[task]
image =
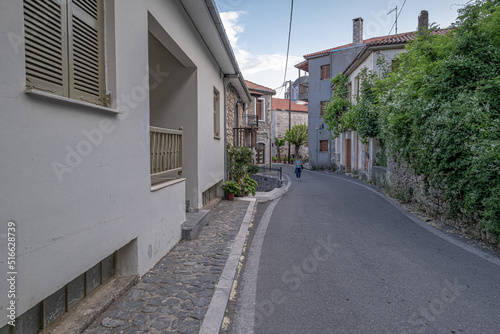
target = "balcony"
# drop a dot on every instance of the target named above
(166, 153)
(304, 91)
(245, 137)
(252, 121)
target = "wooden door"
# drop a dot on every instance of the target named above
(260, 157)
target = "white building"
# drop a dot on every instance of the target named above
(94, 171)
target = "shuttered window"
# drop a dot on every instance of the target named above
(323, 145)
(325, 72)
(259, 110)
(65, 48)
(323, 105)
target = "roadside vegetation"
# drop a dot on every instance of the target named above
(438, 110)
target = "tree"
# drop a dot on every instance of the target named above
(297, 136)
(238, 161)
(279, 142)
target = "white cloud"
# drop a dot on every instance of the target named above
(264, 69)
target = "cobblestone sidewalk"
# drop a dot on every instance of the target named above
(174, 296)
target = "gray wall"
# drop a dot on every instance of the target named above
(320, 90)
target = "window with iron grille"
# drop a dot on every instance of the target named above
(216, 113)
(64, 42)
(323, 145)
(325, 72)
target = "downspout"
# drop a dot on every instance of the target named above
(226, 82)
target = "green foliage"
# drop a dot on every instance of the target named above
(250, 185)
(335, 111)
(231, 187)
(253, 169)
(279, 142)
(439, 111)
(238, 161)
(297, 136)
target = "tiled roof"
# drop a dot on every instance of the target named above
(282, 104)
(393, 40)
(381, 40)
(252, 86)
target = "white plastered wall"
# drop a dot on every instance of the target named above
(103, 201)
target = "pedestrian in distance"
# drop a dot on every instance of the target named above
(298, 167)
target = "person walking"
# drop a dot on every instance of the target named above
(298, 167)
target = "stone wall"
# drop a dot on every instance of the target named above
(281, 126)
(233, 107)
(266, 183)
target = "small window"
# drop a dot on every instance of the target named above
(64, 43)
(323, 105)
(325, 72)
(216, 113)
(323, 145)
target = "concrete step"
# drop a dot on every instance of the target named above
(195, 221)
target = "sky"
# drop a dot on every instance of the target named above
(258, 29)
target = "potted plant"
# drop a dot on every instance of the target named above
(292, 160)
(274, 159)
(284, 160)
(230, 188)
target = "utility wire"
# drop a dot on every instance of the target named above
(397, 17)
(289, 35)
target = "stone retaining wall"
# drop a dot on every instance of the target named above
(266, 183)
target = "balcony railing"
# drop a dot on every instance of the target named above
(252, 121)
(304, 91)
(166, 151)
(245, 137)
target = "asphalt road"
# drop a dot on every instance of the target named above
(333, 256)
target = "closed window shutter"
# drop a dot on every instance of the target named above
(85, 29)
(259, 110)
(45, 45)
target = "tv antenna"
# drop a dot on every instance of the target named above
(396, 23)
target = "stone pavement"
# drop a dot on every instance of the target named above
(175, 295)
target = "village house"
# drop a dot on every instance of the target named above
(285, 115)
(258, 117)
(355, 154)
(113, 119)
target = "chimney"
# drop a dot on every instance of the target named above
(357, 31)
(423, 22)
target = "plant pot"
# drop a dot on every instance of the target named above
(230, 196)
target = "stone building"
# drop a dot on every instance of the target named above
(258, 113)
(281, 120)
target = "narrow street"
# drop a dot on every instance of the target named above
(334, 256)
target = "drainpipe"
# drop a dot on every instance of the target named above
(226, 82)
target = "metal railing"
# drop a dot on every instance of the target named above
(252, 120)
(276, 172)
(166, 150)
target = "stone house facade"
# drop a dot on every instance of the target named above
(259, 111)
(282, 118)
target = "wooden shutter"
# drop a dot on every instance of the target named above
(259, 110)
(86, 46)
(325, 72)
(45, 38)
(323, 145)
(323, 105)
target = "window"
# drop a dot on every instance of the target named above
(216, 113)
(323, 105)
(323, 145)
(325, 72)
(65, 48)
(259, 110)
